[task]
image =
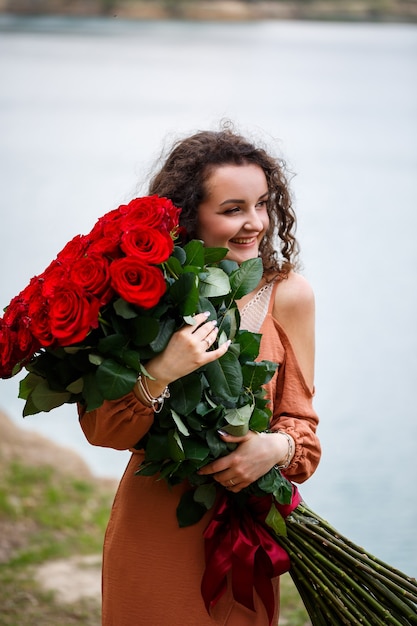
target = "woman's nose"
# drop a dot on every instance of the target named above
(254, 221)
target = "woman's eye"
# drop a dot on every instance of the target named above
(235, 209)
(262, 204)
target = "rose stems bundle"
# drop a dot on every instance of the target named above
(339, 582)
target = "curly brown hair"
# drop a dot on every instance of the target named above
(190, 163)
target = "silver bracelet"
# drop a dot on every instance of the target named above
(290, 452)
(155, 403)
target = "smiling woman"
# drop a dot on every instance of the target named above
(235, 214)
(233, 195)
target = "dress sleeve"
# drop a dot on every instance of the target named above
(293, 412)
(118, 424)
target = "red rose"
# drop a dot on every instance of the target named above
(150, 245)
(106, 234)
(55, 275)
(72, 314)
(39, 324)
(91, 272)
(74, 249)
(7, 342)
(139, 284)
(102, 223)
(150, 211)
(17, 308)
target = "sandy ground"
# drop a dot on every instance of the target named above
(72, 579)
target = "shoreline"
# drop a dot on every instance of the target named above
(384, 11)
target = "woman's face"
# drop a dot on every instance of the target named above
(234, 215)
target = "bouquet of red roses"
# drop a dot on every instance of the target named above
(61, 306)
(86, 327)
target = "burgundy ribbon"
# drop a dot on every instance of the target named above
(237, 542)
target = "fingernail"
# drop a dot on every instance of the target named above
(223, 433)
(206, 313)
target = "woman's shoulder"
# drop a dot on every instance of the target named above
(293, 296)
(294, 309)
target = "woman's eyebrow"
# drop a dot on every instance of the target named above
(235, 201)
(240, 201)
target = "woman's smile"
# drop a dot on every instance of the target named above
(234, 214)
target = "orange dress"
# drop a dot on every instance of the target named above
(152, 569)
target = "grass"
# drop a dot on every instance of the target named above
(47, 515)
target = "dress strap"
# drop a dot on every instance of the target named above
(254, 312)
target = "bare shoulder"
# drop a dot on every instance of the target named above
(294, 297)
(294, 309)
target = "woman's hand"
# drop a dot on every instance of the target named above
(254, 456)
(187, 350)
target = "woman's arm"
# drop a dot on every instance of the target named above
(122, 423)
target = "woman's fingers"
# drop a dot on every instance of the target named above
(187, 350)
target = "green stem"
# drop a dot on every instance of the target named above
(397, 581)
(383, 586)
(352, 579)
(327, 593)
(325, 579)
(302, 515)
(305, 590)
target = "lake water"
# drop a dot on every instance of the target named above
(85, 106)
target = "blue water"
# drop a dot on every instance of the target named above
(85, 107)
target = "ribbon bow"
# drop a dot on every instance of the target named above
(237, 541)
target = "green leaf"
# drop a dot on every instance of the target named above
(112, 343)
(184, 293)
(274, 482)
(225, 377)
(91, 392)
(259, 420)
(185, 393)
(213, 255)
(249, 344)
(76, 386)
(114, 380)
(195, 450)
(148, 469)
(179, 254)
(217, 446)
(258, 373)
(30, 408)
(144, 330)
(131, 358)
(28, 384)
(174, 264)
(175, 447)
(204, 304)
(165, 333)
(230, 322)
(228, 266)
(206, 495)
(180, 424)
(157, 448)
(238, 420)
(246, 277)
(45, 399)
(124, 309)
(189, 511)
(194, 251)
(95, 359)
(275, 521)
(214, 283)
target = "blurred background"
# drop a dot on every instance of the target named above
(88, 101)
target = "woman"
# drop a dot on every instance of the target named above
(232, 195)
